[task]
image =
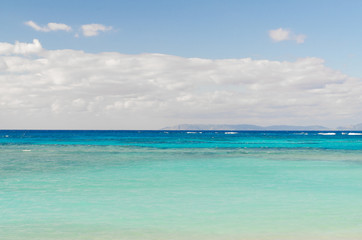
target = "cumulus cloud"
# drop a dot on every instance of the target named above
(49, 27)
(75, 89)
(21, 48)
(90, 30)
(281, 34)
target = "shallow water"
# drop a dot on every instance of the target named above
(178, 185)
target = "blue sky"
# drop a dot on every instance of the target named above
(205, 29)
(174, 62)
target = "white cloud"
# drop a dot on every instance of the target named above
(59, 26)
(75, 89)
(281, 34)
(21, 48)
(49, 27)
(90, 30)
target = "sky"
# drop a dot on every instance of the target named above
(151, 64)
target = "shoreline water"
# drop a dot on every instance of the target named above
(157, 185)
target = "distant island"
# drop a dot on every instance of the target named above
(249, 127)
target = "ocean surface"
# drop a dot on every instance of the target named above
(179, 185)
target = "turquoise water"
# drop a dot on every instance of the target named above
(161, 185)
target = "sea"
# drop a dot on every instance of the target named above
(180, 185)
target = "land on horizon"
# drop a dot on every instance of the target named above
(241, 127)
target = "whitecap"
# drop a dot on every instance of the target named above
(26, 150)
(327, 133)
(354, 134)
(231, 132)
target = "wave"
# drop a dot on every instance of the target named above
(301, 133)
(231, 132)
(354, 134)
(327, 133)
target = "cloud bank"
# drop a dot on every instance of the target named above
(49, 27)
(42, 88)
(21, 48)
(280, 34)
